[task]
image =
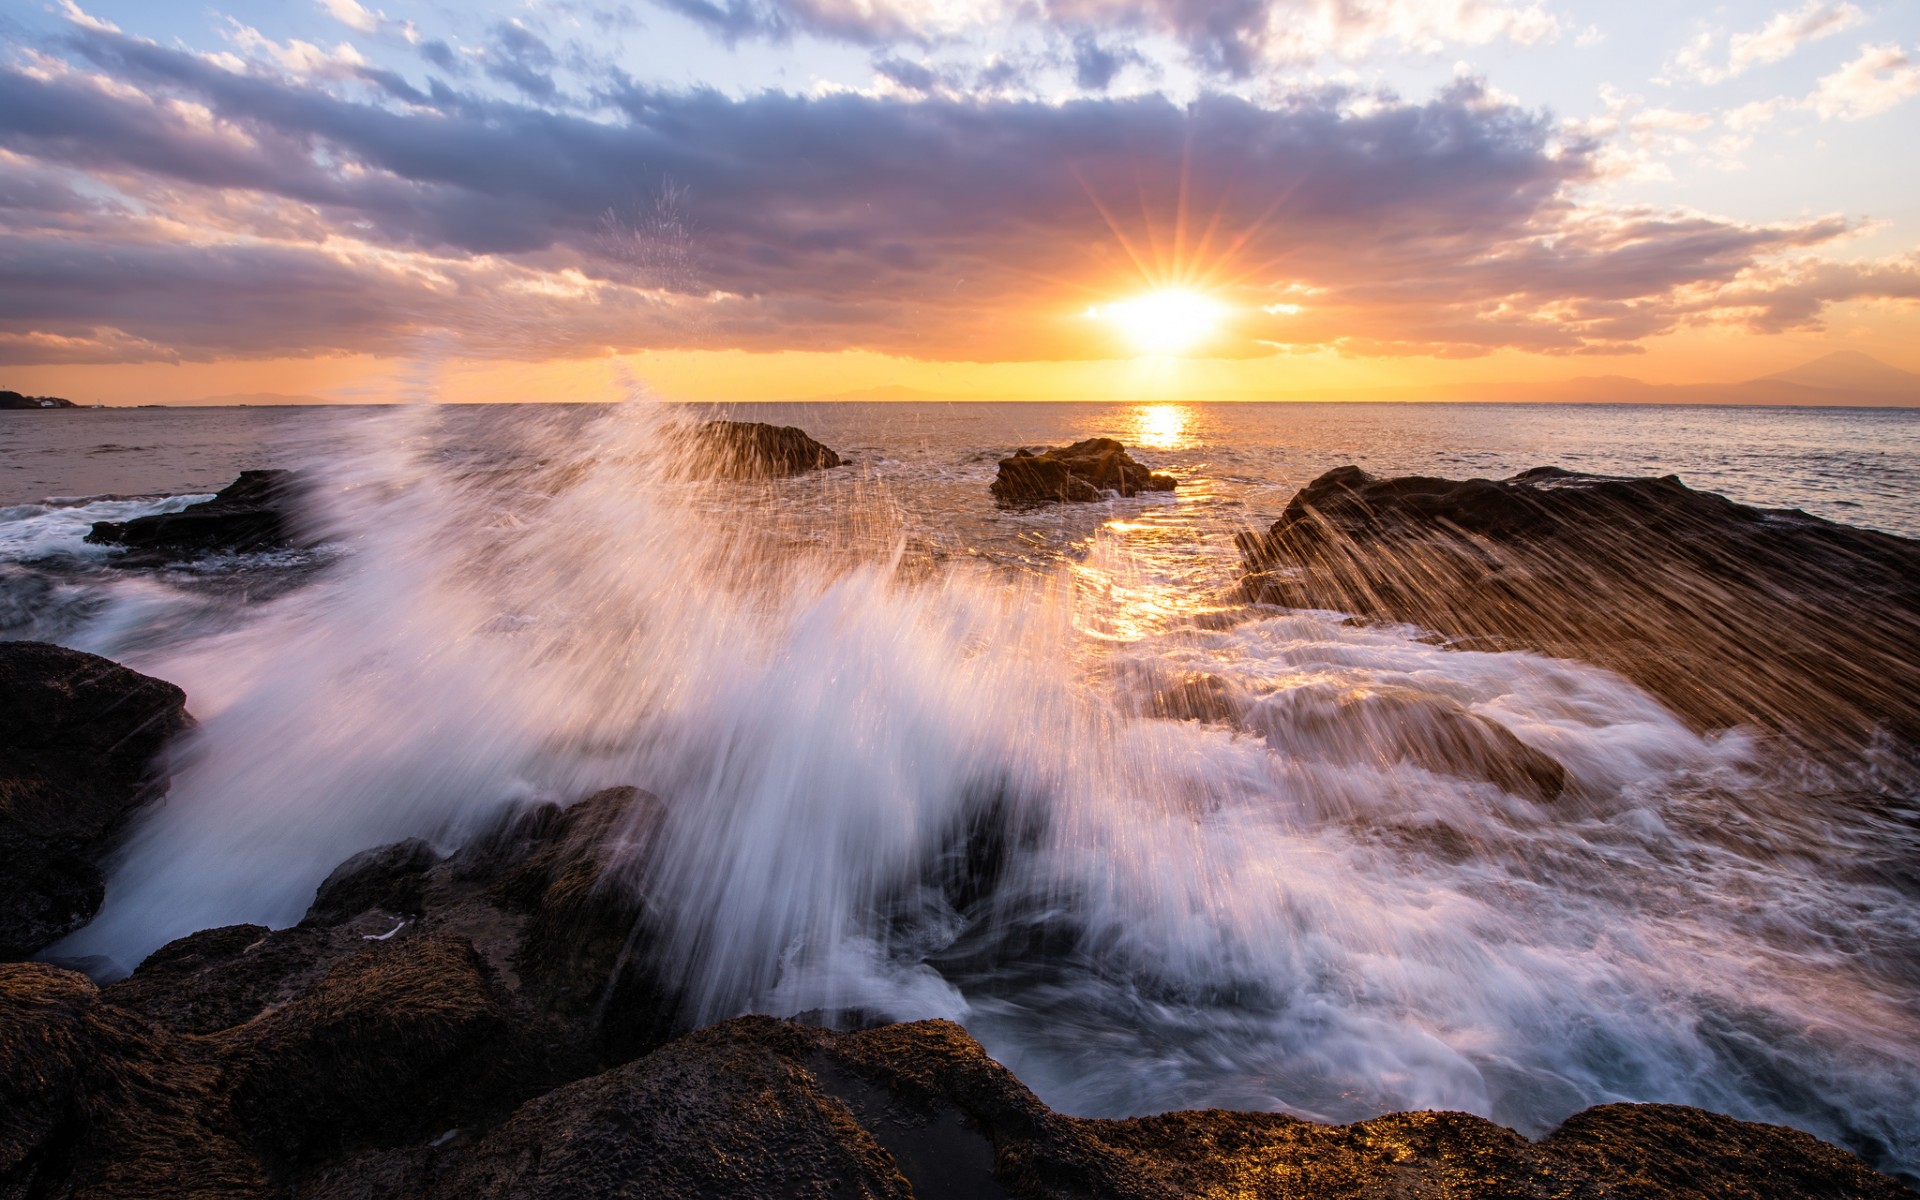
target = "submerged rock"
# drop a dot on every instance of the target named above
(756, 450)
(1078, 472)
(254, 512)
(1731, 615)
(79, 736)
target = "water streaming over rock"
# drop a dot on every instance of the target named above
(1155, 848)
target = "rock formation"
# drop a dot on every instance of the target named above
(254, 512)
(1078, 472)
(78, 739)
(755, 450)
(493, 1024)
(1731, 615)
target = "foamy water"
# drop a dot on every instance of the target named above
(911, 768)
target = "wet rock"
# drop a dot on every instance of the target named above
(549, 899)
(1197, 696)
(394, 1044)
(755, 450)
(212, 980)
(389, 878)
(79, 739)
(1731, 615)
(95, 1101)
(1400, 724)
(254, 512)
(1656, 1150)
(587, 946)
(402, 1073)
(758, 1107)
(1078, 472)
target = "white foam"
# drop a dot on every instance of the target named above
(1271, 917)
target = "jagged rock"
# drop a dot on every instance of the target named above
(586, 948)
(757, 1107)
(392, 1077)
(254, 512)
(1732, 615)
(755, 450)
(214, 979)
(1078, 472)
(396, 1044)
(79, 736)
(390, 878)
(95, 1101)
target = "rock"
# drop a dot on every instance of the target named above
(16, 400)
(95, 1101)
(207, 981)
(586, 948)
(1731, 615)
(758, 1107)
(395, 1044)
(1078, 472)
(390, 878)
(1196, 696)
(410, 1069)
(79, 737)
(755, 450)
(254, 512)
(1401, 724)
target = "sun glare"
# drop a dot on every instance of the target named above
(1166, 322)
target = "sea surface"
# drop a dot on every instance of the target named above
(847, 684)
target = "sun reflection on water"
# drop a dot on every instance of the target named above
(1161, 426)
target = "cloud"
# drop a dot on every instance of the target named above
(1785, 32)
(519, 57)
(1869, 84)
(351, 14)
(1233, 38)
(176, 206)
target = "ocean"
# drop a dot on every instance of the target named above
(832, 679)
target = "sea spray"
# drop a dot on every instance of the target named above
(912, 788)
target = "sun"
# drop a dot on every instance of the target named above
(1166, 322)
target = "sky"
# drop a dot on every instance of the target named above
(776, 199)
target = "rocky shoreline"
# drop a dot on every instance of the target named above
(491, 1022)
(1731, 615)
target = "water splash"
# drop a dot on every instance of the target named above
(985, 793)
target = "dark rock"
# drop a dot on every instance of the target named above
(587, 946)
(219, 978)
(757, 1107)
(1731, 615)
(1078, 472)
(95, 1101)
(396, 1074)
(79, 736)
(754, 450)
(16, 400)
(390, 878)
(393, 1045)
(254, 512)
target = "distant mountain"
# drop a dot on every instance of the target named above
(16, 400)
(1850, 371)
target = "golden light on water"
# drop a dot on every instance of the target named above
(1162, 426)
